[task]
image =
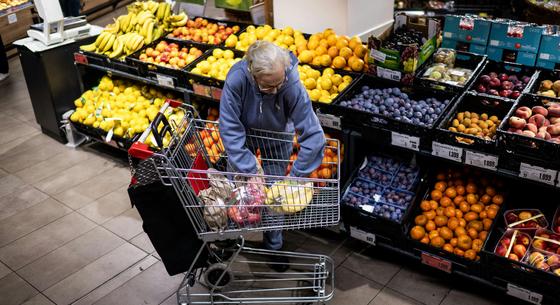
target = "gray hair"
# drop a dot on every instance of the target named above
(263, 57)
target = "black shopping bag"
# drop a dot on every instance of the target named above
(168, 226)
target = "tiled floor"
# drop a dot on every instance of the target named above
(69, 235)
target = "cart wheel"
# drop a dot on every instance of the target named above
(214, 272)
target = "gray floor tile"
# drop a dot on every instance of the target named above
(9, 183)
(48, 238)
(108, 206)
(390, 296)
(126, 225)
(324, 243)
(39, 300)
(143, 242)
(53, 166)
(14, 290)
(352, 288)
(22, 145)
(73, 256)
(152, 286)
(17, 131)
(457, 297)
(379, 270)
(93, 275)
(4, 270)
(30, 220)
(117, 281)
(418, 286)
(7, 121)
(30, 156)
(22, 198)
(74, 175)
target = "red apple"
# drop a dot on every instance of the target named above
(519, 250)
(501, 250)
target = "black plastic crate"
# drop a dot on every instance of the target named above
(451, 262)
(242, 27)
(543, 75)
(100, 135)
(102, 60)
(151, 70)
(501, 270)
(467, 60)
(207, 86)
(535, 149)
(478, 104)
(365, 120)
(505, 67)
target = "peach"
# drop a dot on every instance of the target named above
(554, 120)
(553, 130)
(543, 135)
(517, 122)
(554, 111)
(528, 133)
(523, 112)
(539, 120)
(519, 250)
(532, 127)
(540, 110)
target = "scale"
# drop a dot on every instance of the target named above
(55, 27)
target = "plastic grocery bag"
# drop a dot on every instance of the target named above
(214, 198)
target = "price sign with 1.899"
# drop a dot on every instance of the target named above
(537, 173)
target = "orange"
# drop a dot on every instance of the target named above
(320, 51)
(215, 136)
(464, 242)
(453, 242)
(477, 245)
(450, 211)
(421, 220)
(498, 199)
(451, 192)
(458, 213)
(333, 52)
(345, 52)
(433, 234)
(332, 40)
(425, 205)
(204, 134)
(433, 204)
(440, 211)
(440, 186)
(470, 216)
(339, 62)
(325, 173)
(472, 233)
(458, 252)
(430, 214)
(486, 223)
(463, 206)
(440, 221)
(460, 190)
(457, 200)
(485, 199)
(471, 188)
(425, 240)
(482, 235)
(462, 222)
(342, 43)
(430, 225)
(214, 111)
(436, 195)
(437, 242)
(445, 202)
(477, 208)
(446, 233)
(448, 248)
(460, 231)
(470, 254)
(471, 199)
(326, 60)
(208, 142)
(360, 51)
(417, 232)
(483, 215)
(312, 44)
(324, 43)
(314, 175)
(453, 223)
(490, 191)
(357, 65)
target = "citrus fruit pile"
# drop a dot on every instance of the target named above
(322, 87)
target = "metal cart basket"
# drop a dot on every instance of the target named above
(224, 204)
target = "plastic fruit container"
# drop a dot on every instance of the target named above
(546, 241)
(514, 219)
(543, 261)
(521, 242)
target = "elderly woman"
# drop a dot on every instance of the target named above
(263, 91)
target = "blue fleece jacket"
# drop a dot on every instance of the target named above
(244, 107)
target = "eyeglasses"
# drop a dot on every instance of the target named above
(271, 89)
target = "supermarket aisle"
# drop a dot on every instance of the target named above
(68, 233)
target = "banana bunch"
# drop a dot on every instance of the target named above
(163, 11)
(102, 44)
(289, 197)
(174, 21)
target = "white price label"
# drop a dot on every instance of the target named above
(524, 294)
(165, 81)
(12, 18)
(481, 160)
(367, 208)
(109, 136)
(447, 34)
(457, 73)
(405, 141)
(389, 74)
(545, 56)
(447, 152)
(537, 173)
(494, 43)
(377, 55)
(329, 120)
(362, 235)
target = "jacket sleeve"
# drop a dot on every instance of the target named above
(311, 137)
(232, 130)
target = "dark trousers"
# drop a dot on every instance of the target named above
(4, 67)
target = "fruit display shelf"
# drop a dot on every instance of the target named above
(15, 8)
(177, 34)
(165, 47)
(92, 58)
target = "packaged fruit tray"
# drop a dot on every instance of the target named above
(525, 220)
(453, 219)
(92, 58)
(205, 85)
(532, 130)
(473, 122)
(504, 80)
(181, 34)
(453, 73)
(502, 270)
(547, 84)
(164, 50)
(379, 103)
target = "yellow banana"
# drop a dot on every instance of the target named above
(149, 33)
(167, 11)
(109, 44)
(89, 47)
(101, 46)
(160, 11)
(138, 43)
(154, 7)
(182, 21)
(117, 48)
(125, 20)
(100, 38)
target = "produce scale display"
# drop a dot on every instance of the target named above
(474, 133)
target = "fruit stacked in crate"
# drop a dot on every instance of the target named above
(145, 22)
(457, 213)
(204, 31)
(170, 55)
(323, 87)
(216, 65)
(383, 187)
(328, 167)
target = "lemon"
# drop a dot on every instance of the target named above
(336, 79)
(342, 86)
(328, 71)
(347, 78)
(118, 132)
(96, 124)
(310, 83)
(78, 102)
(315, 94)
(218, 53)
(326, 83)
(228, 54)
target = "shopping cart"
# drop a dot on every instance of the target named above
(223, 205)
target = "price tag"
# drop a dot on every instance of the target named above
(447, 34)
(537, 173)
(436, 262)
(362, 235)
(494, 43)
(329, 120)
(367, 208)
(12, 18)
(377, 55)
(405, 141)
(524, 294)
(545, 56)
(80, 58)
(109, 136)
(447, 152)
(481, 160)
(389, 74)
(165, 81)
(457, 73)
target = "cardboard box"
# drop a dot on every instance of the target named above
(390, 63)
(469, 29)
(517, 36)
(91, 4)
(14, 26)
(463, 46)
(549, 52)
(506, 55)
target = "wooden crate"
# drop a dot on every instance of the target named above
(13, 31)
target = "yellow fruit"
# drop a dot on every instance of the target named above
(342, 86)
(310, 83)
(345, 52)
(325, 60)
(316, 61)
(315, 94)
(339, 62)
(312, 44)
(326, 83)
(320, 50)
(341, 43)
(357, 65)
(306, 57)
(347, 78)
(328, 71)
(218, 53)
(336, 79)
